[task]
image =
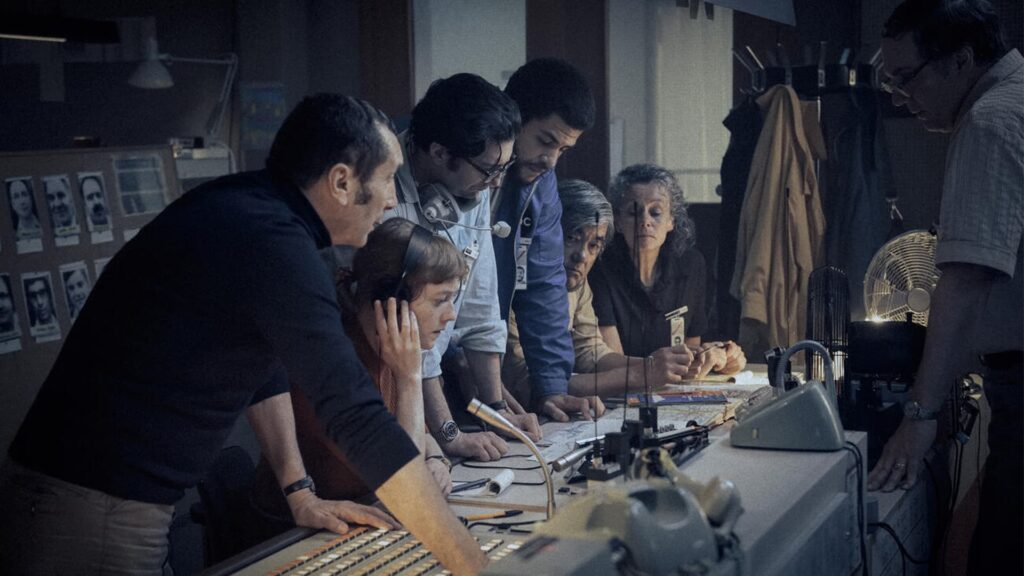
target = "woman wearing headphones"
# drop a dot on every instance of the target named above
(397, 299)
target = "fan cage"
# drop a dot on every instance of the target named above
(905, 263)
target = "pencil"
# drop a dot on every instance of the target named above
(493, 515)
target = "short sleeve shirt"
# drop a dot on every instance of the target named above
(621, 300)
(982, 210)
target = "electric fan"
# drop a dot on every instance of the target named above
(901, 278)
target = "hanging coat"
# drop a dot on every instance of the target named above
(782, 227)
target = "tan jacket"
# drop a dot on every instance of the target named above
(588, 345)
(782, 227)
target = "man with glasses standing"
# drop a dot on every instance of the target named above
(947, 63)
(458, 146)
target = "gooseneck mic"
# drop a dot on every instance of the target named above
(490, 416)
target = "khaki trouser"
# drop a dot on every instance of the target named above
(49, 526)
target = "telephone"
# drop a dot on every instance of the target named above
(804, 418)
(660, 522)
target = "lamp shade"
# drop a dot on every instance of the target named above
(151, 75)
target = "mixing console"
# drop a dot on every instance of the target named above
(382, 552)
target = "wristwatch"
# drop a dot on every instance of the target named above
(301, 484)
(912, 410)
(448, 431)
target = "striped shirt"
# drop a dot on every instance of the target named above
(982, 212)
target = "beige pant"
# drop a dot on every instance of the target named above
(48, 526)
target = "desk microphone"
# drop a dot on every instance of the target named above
(490, 416)
(569, 460)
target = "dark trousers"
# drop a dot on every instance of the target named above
(998, 543)
(49, 526)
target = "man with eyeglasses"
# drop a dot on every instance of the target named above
(458, 146)
(947, 63)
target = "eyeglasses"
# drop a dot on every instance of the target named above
(893, 85)
(493, 173)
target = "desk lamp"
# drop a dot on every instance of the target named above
(152, 74)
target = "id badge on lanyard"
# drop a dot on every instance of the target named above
(471, 253)
(677, 327)
(523, 248)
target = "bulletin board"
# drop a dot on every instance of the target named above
(63, 215)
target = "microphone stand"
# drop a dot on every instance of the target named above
(490, 416)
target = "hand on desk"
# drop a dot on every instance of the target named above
(903, 456)
(720, 357)
(483, 446)
(559, 406)
(313, 512)
(439, 470)
(515, 413)
(526, 422)
(668, 364)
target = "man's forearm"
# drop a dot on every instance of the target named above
(961, 292)
(604, 383)
(427, 516)
(273, 422)
(434, 404)
(485, 369)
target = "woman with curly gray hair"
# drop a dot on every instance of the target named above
(652, 270)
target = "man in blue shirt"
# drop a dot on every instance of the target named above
(556, 107)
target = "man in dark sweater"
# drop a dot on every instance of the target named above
(206, 314)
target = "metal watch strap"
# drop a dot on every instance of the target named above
(448, 431)
(301, 484)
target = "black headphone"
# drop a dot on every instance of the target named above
(415, 253)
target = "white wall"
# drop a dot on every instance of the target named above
(670, 87)
(452, 36)
(628, 73)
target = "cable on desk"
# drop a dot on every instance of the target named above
(858, 459)
(486, 467)
(509, 525)
(899, 543)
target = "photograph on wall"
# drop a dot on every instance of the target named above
(140, 183)
(61, 205)
(42, 314)
(24, 214)
(10, 330)
(99, 264)
(77, 286)
(97, 208)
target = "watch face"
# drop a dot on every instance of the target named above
(449, 430)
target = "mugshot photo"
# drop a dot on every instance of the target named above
(77, 286)
(94, 200)
(61, 205)
(22, 202)
(8, 313)
(42, 315)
